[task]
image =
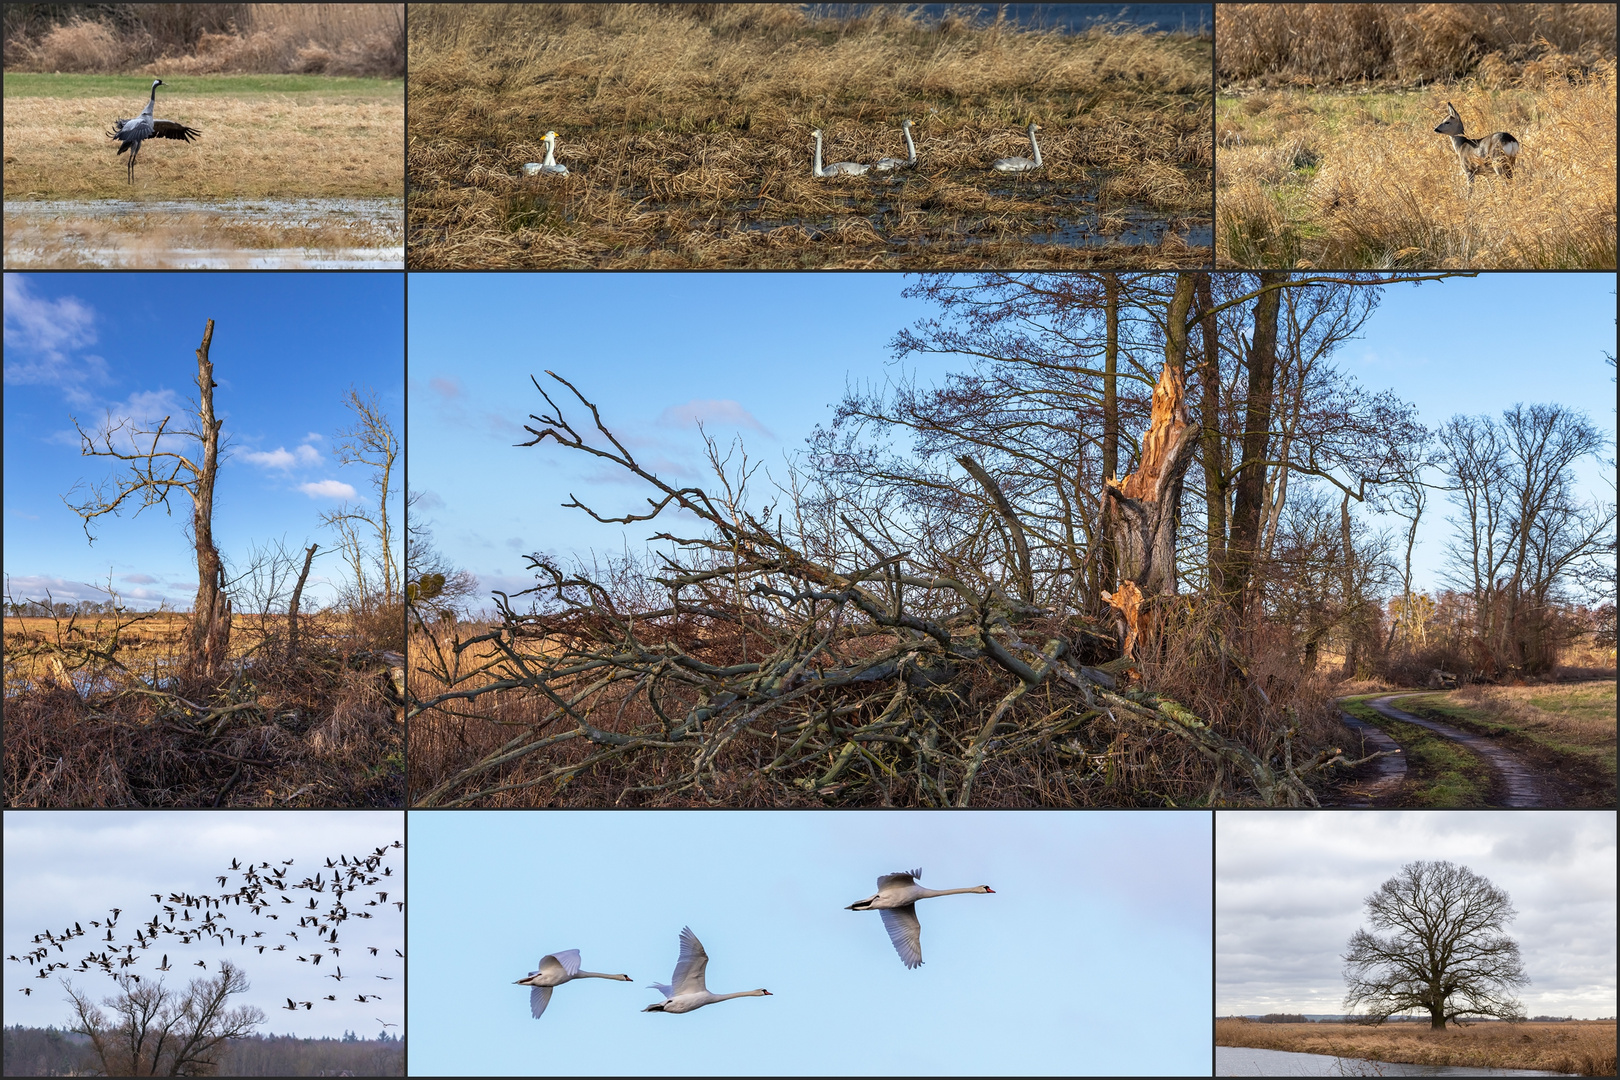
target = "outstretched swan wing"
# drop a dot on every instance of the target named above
(539, 998)
(693, 963)
(905, 932)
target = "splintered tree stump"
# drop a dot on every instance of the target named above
(1141, 509)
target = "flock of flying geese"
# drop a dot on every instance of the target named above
(263, 889)
(550, 166)
(687, 989)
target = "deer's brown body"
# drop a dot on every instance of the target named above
(1496, 151)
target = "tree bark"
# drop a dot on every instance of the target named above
(1107, 564)
(210, 643)
(1212, 455)
(1026, 576)
(298, 594)
(1249, 496)
(1142, 519)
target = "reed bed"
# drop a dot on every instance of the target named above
(687, 133)
(1581, 1048)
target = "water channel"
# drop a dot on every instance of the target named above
(1249, 1061)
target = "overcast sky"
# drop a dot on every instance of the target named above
(1091, 957)
(67, 866)
(1290, 888)
(764, 357)
(286, 349)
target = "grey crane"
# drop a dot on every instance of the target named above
(131, 133)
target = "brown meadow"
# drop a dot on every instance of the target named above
(687, 133)
(1583, 1048)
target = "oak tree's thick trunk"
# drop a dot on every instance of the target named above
(210, 643)
(1143, 508)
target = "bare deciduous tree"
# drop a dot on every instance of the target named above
(155, 473)
(1444, 951)
(154, 1032)
(371, 441)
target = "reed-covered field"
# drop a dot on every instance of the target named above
(100, 713)
(1326, 154)
(1582, 1048)
(686, 130)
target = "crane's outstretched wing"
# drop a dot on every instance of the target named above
(905, 932)
(693, 963)
(539, 998)
(168, 129)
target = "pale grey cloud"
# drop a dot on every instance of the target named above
(282, 458)
(328, 489)
(1290, 889)
(711, 411)
(43, 338)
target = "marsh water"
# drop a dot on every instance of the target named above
(245, 234)
(1249, 1061)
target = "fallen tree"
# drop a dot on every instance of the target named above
(806, 660)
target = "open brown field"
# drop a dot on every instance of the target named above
(1584, 1048)
(686, 131)
(97, 717)
(1357, 178)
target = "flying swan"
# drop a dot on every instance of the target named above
(688, 991)
(895, 899)
(555, 969)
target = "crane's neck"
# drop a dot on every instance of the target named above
(911, 147)
(815, 169)
(1035, 146)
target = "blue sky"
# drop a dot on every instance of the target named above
(66, 866)
(1289, 892)
(763, 357)
(286, 349)
(1092, 956)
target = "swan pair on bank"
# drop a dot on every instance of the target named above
(895, 901)
(854, 168)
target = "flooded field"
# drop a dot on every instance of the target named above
(1248, 1061)
(238, 234)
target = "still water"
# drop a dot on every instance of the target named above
(1247, 1061)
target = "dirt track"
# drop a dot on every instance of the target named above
(1519, 785)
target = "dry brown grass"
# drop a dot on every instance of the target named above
(1584, 1048)
(1360, 180)
(1321, 43)
(253, 145)
(84, 727)
(687, 131)
(331, 39)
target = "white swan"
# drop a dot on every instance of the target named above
(1021, 164)
(894, 900)
(889, 163)
(840, 168)
(555, 969)
(688, 991)
(549, 165)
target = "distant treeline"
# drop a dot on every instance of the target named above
(192, 39)
(49, 1051)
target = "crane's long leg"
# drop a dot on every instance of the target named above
(134, 152)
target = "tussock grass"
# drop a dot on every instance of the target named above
(1581, 1047)
(254, 144)
(1282, 44)
(1360, 180)
(687, 132)
(84, 727)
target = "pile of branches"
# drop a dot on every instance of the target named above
(763, 675)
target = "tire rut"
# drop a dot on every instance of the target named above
(1520, 785)
(1388, 772)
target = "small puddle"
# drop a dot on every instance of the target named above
(1248, 1061)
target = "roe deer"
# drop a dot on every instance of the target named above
(1498, 151)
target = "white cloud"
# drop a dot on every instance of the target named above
(711, 411)
(41, 336)
(282, 458)
(327, 489)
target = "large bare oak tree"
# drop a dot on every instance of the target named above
(1443, 950)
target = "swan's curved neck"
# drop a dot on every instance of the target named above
(911, 147)
(815, 168)
(950, 892)
(599, 975)
(738, 994)
(1035, 146)
(551, 145)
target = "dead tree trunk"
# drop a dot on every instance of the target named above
(1144, 506)
(1110, 444)
(298, 594)
(210, 643)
